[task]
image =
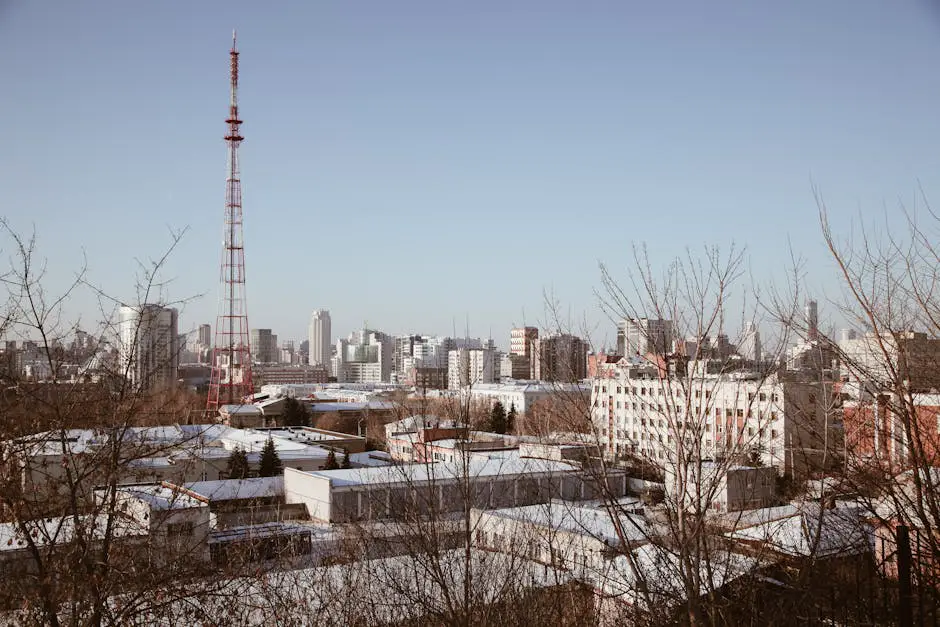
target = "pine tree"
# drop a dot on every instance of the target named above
(295, 413)
(511, 419)
(345, 463)
(238, 464)
(498, 418)
(270, 464)
(331, 462)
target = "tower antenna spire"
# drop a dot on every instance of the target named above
(231, 364)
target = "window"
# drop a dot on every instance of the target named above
(763, 396)
(618, 389)
(729, 413)
(642, 391)
(773, 433)
(698, 394)
(740, 413)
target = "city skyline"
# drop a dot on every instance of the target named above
(523, 132)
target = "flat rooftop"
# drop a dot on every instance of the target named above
(474, 467)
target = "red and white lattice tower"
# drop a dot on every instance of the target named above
(231, 355)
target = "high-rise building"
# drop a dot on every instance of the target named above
(811, 312)
(561, 357)
(523, 343)
(264, 346)
(364, 357)
(149, 349)
(520, 340)
(320, 338)
(641, 336)
(470, 366)
(205, 334)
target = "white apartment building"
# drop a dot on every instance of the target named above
(471, 366)
(364, 357)
(782, 422)
(320, 338)
(149, 349)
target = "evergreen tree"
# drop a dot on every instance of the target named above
(270, 464)
(511, 419)
(238, 464)
(295, 413)
(345, 463)
(331, 462)
(498, 418)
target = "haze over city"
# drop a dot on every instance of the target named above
(429, 167)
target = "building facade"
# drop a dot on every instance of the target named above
(264, 346)
(320, 338)
(783, 423)
(364, 357)
(641, 336)
(471, 366)
(561, 358)
(149, 345)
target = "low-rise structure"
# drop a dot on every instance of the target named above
(377, 493)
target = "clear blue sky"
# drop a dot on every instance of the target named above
(416, 163)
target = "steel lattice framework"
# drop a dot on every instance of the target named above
(231, 357)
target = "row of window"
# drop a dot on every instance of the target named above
(643, 391)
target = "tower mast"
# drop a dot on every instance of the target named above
(231, 364)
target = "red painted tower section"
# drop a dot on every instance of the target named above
(231, 355)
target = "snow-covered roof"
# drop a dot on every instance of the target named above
(416, 422)
(371, 458)
(161, 497)
(392, 590)
(320, 408)
(240, 410)
(812, 531)
(573, 518)
(416, 473)
(654, 570)
(52, 531)
(232, 489)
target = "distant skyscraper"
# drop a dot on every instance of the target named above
(469, 366)
(320, 338)
(643, 336)
(149, 348)
(364, 357)
(750, 347)
(264, 346)
(205, 334)
(561, 358)
(812, 320)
